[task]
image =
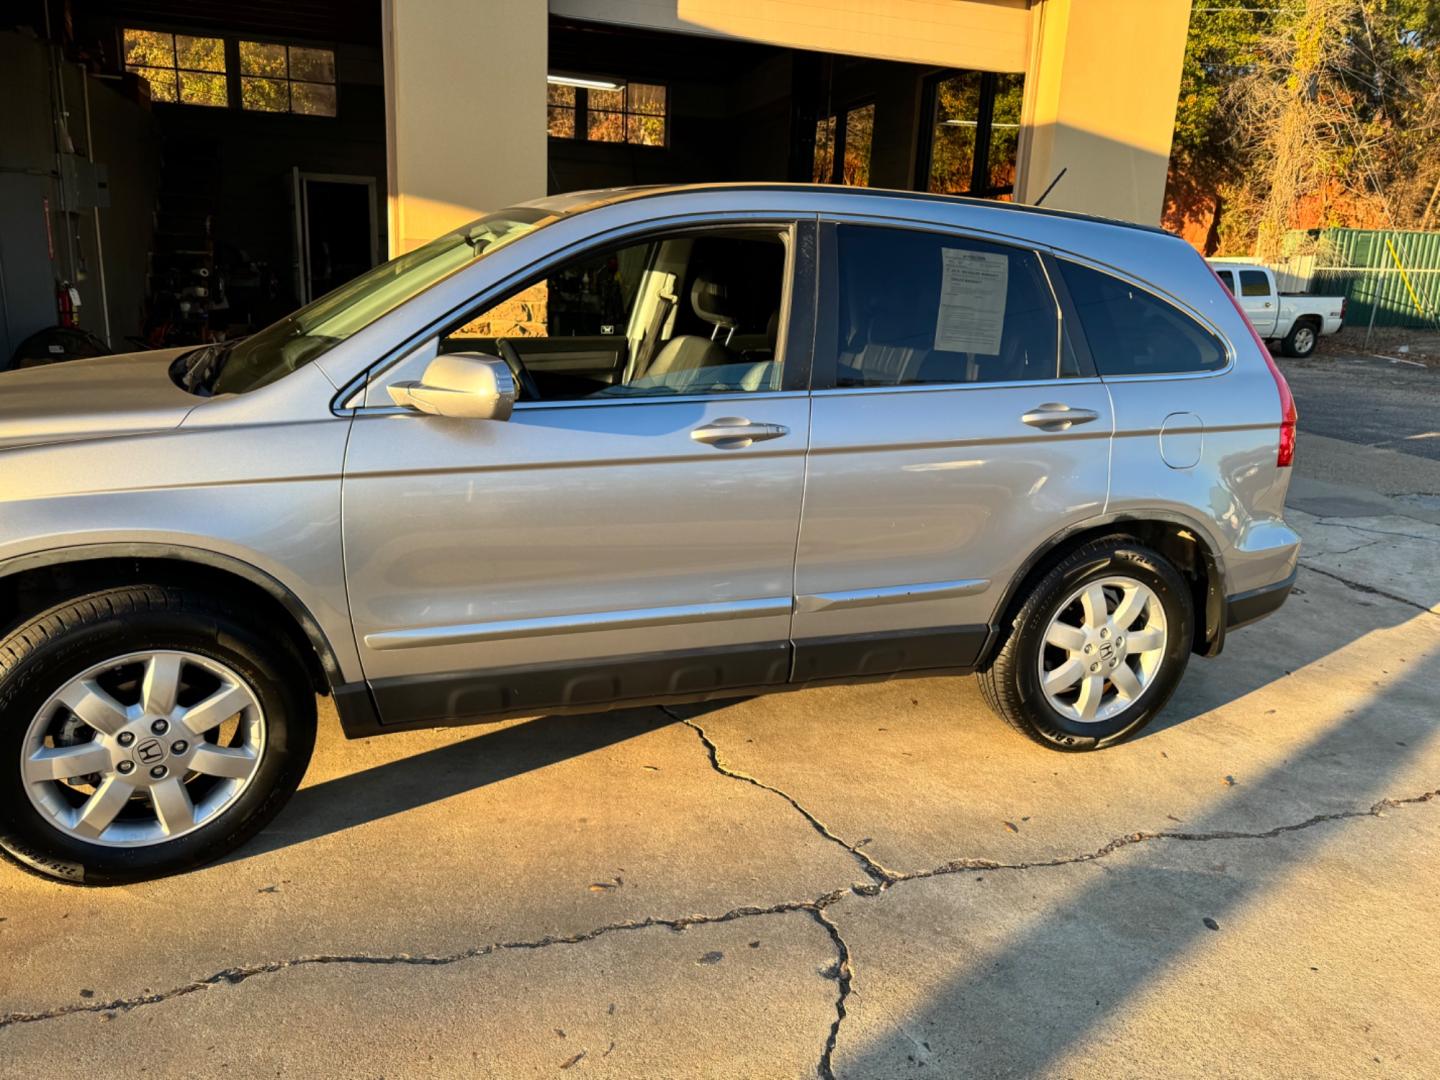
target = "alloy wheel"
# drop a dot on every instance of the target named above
(1102, 649)
(143, 748)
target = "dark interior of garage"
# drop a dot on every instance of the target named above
(175, 172)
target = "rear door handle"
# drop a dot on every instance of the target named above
(736, 433)
(1053, 416)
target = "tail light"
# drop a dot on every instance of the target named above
(1285, 454)
(1344, 307)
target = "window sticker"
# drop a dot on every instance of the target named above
(973, 287)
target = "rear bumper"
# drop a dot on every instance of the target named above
(1242, 609)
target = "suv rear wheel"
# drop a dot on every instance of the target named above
(1096, 650)
(147, 731)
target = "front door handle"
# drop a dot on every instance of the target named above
(736, 433)
(1053, 416)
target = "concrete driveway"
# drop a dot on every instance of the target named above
(865, 882)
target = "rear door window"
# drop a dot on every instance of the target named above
(1134, 332)
(1254, 283)
(915, 308)
(1228, 280)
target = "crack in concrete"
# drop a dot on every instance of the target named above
(1378, 809)
(815, 908)
(1339, 523)
(236, 975)
(877, 872)
(1347, 551)
(1359, 586)
(844, 977)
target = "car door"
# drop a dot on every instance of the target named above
(952, 434)
(631, 541)
(1257, 296)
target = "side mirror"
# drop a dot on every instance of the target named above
(467, 385)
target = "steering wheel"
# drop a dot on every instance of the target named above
(528, 390)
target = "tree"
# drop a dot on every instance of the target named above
(1205, 159)
(1306, 114)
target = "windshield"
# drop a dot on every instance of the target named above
(314, 329)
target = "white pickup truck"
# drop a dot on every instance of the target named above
(1295, 320)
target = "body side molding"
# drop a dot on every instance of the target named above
(549, 625)
(892, 594)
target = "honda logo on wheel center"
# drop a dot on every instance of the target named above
(149, 752)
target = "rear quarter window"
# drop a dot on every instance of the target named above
(1134, 332)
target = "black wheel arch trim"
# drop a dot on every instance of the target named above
(1215, 617)
(273, 587)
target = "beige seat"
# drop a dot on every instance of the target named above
(686, 352)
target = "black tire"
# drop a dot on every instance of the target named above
(1011, 685)
(1306, 344)
(57, 645)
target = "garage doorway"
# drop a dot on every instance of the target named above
(337, 230)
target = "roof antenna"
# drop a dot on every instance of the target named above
(1051, 188)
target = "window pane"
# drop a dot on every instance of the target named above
(265, 95)
(646, 130)
(1132, 332)
(1254, 283)
(259, 58)
(918, 307)
(609, 100)
(526, 314)
(1005, 129)
(621, 304)
(312, 99)
(561, 123)
(647, 99)
(161, 80)
(200, 53)
(605, 126)
(824, 150)
(859, 130)
(952, 138)
(312, 65)
(149, 48)
(1228, 280)
(202, 88)
(560, 95)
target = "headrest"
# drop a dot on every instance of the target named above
(711, 301)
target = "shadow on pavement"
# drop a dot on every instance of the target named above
(397, 786)
(1075, 970)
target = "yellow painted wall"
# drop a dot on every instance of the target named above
(1100, 99)
(986, 35)
(465, 103)
(465, 87)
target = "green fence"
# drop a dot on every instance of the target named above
(1360, 265)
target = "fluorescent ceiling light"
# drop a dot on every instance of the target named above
(589, 82)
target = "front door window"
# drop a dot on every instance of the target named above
(689, 313)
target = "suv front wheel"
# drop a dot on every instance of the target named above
(145, 730)
(1097, 648)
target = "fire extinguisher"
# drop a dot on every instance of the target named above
(67, 302)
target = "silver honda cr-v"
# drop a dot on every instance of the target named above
(647, 445)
